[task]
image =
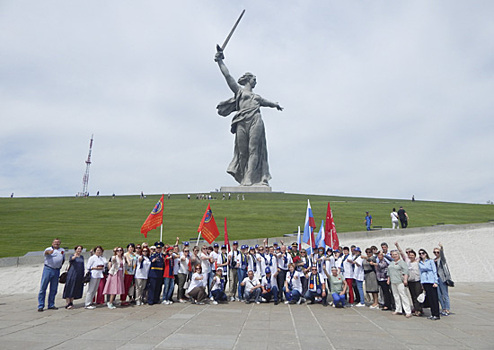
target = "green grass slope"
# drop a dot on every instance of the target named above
(30, 224)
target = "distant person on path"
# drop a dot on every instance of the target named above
(395, 219)
(403, 216)
(368, 221)
(54, 259)
(74, 285)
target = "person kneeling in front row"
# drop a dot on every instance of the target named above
(269, 288)
(317, 287)
(338, 287)
(218, 287)
(252, 288)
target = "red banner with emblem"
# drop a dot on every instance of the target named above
(207, 227)
(155, 218)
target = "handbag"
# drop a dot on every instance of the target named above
(87, 277)
(63, 278)
(421, 297)
(450, 283)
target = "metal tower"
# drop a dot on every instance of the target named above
(85, 178)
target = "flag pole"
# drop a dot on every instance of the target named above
(198, 237)
(161, 233)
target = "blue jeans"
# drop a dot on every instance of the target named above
(273, 293)
(360, 287)
(241, 275)
(337, 298)
(442, 293)
(219, 295)
(311, 295)
(254, 294)
(168, 288)
(50, 276)
(293, 295)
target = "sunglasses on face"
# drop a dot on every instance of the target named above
(422, 253)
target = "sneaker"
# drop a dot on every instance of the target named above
(299, 301)
(111, 306)
(263, 300)
(374, 307)
(211, 298)
(90, 307)
(232, 299)
(53, 308)
(182, 301)
(40, 309)
(275, 303)
(170, 302)
(215, 302)
(360, 305)
(164, 302)
(138, 303)
(444, 313)
(286, 302)
(238, 299)
(331, 303)
(200, 303)
(258, 302)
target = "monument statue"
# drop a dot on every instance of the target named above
(249, 166)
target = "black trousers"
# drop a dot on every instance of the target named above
(280, 279)
(432, 298)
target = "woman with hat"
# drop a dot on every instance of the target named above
(269, 289)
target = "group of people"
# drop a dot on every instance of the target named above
(393, 280)
(397, 218)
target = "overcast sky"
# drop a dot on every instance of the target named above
(381, 98)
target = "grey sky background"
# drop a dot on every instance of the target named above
(381, 98)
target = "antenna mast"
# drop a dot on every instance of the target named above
(85, 178)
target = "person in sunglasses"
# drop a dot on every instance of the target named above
(429, 280)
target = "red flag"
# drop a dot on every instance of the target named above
(227, 242)
(330, 236)
(207, 227)
(155, 219)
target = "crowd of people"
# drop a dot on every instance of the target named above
(402, 282)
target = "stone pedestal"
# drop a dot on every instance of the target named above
(245, 189)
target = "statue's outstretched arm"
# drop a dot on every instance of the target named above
(267, 103)
(229, 79)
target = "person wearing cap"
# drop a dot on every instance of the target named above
(261, 261)
(269, 289)
(293, 285)
(368, 221)
(346, 268)
(284, 259)
(218, 287)
(294, 251)
(222, 261)
(233, 273)
(242, 263)
(252, 288)
(317, 286)
(358, 274)
(168, 277)
(156, 274)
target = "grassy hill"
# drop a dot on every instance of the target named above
(30, 224)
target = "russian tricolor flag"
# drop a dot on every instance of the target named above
(310, 224)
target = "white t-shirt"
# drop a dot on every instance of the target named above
(250, 283)
(295, 280)
(217, 283)
(394, 216)
(184, 264)
(347, 267)
(205, 264)
(261, 264)
(272, 263)
(268, 284)
(176, 263)
(220, 260)
(284, 260)
(95, 261)
(194, 282)
(358, 271)
(142, 273)
(322, 279)
(214, 255)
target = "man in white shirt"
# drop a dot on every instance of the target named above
(283, 259)
(242, 263)
(358, 274)
(252, 288)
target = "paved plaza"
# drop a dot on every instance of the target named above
(240, 326)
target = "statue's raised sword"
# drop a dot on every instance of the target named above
(221, 48)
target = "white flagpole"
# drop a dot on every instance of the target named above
(198, 237)
(161, 233)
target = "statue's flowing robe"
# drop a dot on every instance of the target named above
(249, 165)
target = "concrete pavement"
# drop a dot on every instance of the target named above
(240, 326)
